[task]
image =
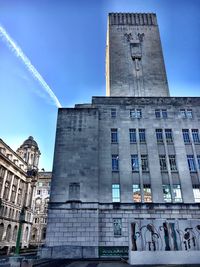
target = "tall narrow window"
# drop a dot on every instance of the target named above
(147, 193)
(186, 136)
(157, 113)
(117, 226)
(144, 162)
(115, 193)
(113, 113)
(198, 160)
(172, 162)
(189, 113)
(191, 163)
(177, 193)
(168, 135)
(159, 135)
(195, 136)
(163, 163)
(114, 136)
(183, 113)
(134, 162)
(115, 163)
(164, 113)
(132, 135)
(142, 135)
(196, 192)
(136, 193)
(167, 193)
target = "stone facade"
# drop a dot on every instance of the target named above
(134, 59)
(40, 205)
(17, 184)
(125, 166)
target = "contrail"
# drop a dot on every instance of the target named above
(19, 53)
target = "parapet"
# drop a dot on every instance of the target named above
(137, 19)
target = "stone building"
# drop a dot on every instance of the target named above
(18, 173)
(40, 202)
(126, 171)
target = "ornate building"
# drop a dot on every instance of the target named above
(18, 176)
(126, 171)
(40, 200)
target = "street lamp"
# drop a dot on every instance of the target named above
(19, 233)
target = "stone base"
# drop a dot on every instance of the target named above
(69, 252)
(164, 257)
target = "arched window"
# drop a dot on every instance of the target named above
(43, 233)
(26, 234)
(8, 233)
(14, 238)
(34, 234)
(1, 231)
(38, 203)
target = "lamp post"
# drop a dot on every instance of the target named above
(19, 233)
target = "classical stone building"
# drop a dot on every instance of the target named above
(18, 173)
(40, 200)
(126, 172)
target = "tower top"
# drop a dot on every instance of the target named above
(134, 58)
(132, 19)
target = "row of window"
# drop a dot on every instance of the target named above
(135, 162)
(168, 192)
(136, 113)
(160, 133)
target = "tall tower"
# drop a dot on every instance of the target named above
(30, 153)
(134, 58)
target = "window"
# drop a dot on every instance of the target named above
(157, 113)
(177, 193)
(195, 136)
(144, 162)
(142, 136)
(189, 113)
(167, 193)
(172, 162)
(163, 163)
(186, 113)
(117, 227)
(135, 113)
(115, 193)
(168, 135)
(134, 162)
(2, 171)
(161, 113)
(136, 193)
(13, 194)
(196, 192)
(38, 192)
(6, 190)
(186, 136)
(132, 135)
(115, 163)
(198, 160)
(191, 163)
(113, 113)
(147, 193)
(114, 136)
(159, 135)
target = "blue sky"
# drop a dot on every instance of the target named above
(65, 41)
